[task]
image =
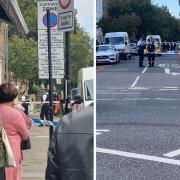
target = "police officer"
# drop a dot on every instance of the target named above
(151, 52)
(141, 45)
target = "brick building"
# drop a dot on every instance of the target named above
(9, 14)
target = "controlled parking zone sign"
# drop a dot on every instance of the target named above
(65, 15)
(57, 50)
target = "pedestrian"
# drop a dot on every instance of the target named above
(76, 105)
(70, 154)
(25, 102)
(45, 109)
(151, 52)
(15, 128)
(171, 46)
(164, 46)
(141, 45)
(167, 46)
(174, 46)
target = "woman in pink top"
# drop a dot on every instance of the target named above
(14, 126)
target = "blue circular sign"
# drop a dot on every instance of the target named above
(53, 20)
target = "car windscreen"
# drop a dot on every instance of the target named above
(156, 40)
(102, 48)
(89, 90)
(114, 40)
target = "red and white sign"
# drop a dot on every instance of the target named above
(65, 15)
(65, 4)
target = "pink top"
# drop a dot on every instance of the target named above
(27, 119)
(17, 131)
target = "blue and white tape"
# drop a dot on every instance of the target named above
(45, 122)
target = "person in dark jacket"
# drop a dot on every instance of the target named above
(141, 45)
(71, 151)
(151, 52)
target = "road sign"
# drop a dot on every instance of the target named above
(53, 20)
(57, 50)
(65, 4)
(65, 15)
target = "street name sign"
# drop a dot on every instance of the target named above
(65, 15)
(57, 50)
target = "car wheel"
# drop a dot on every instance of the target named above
(117, 59)
(129, 57)
(125, 57)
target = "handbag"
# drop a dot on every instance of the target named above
(26, 144)
(6, 155)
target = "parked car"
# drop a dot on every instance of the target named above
(106, 54)
(133, 48)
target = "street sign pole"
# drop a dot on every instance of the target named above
(50, 73)
(68, 74)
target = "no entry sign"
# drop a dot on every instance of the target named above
(65, 15)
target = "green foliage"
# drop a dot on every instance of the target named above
(140, 17)
(23, 58)
(36, 89)
(81, 53)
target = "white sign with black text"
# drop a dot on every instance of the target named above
(66, 15)
(57, 50)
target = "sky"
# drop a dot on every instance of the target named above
(85, 14)
(173, 6)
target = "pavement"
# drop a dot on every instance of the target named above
(138, 120)
(35, 159)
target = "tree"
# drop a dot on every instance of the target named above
(23, 59)
(81, 53)
(140, 17)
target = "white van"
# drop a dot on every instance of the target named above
(86, 85)
(120, 41)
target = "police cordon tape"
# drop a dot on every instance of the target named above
(40, 102)
(163, 53)
(45, 122)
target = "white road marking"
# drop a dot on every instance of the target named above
(102, 130)
(139, 156)
(97, 133)
(167, 99)
(145, 69)
(135, 82)
(171, 87)
(173, 153)
(175, 74)
(167, 70)
(168, 89)
(139, 88)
